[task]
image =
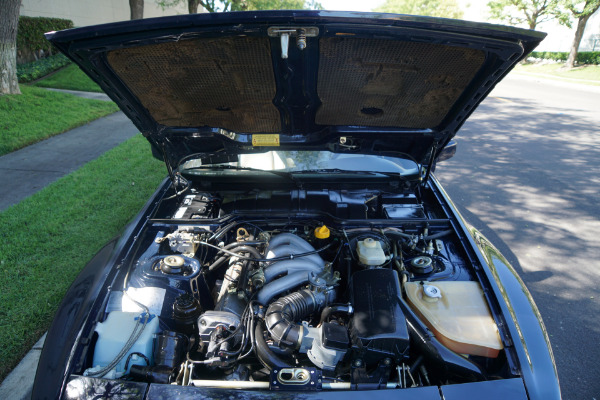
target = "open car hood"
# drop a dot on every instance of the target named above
(218, 85)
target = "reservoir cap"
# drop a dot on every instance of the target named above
(322, 232)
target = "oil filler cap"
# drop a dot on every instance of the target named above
(322, 232)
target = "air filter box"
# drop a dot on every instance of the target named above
(378, 328)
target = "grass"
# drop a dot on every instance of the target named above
(47, 238)
(71, 78)
(37, 114)
(589, 74)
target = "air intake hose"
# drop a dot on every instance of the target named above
(282, 314)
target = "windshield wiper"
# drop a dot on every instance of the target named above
(345, 171)
(282, 174)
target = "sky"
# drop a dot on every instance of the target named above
(474, 9)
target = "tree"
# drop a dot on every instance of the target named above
(529, 12)
(242, 5)
(276, 5)
(582, 11)
(432, 8)
(9, 21)
(137, 9)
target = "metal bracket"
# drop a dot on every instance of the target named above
(284, 32)
(296, 379)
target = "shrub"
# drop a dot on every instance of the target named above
(37, 69)
(30, 35)
(583, 57)
(589, 57)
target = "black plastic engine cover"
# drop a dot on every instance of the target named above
(378, 328)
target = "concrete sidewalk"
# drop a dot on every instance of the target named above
(25, 171)
(19, 383)
(87, 95)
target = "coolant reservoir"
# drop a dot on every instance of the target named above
(370, 252)
(458, 315)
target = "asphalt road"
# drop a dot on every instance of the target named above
(527, 175)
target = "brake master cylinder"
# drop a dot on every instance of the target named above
(370, 252)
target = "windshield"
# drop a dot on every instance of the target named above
(298, 161)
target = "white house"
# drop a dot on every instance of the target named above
(92, 12)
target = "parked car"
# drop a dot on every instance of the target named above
(301, 242)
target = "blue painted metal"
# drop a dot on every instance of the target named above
(491, 390)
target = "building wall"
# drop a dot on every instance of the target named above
(93, 12)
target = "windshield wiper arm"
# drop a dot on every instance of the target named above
(345, 171)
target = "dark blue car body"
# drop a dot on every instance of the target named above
(530, 371)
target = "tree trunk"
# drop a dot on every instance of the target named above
(576, 40)
(137, 9)
(193, 6)
(532, 24)
(9, 21)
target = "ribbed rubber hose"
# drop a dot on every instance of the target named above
(264, 354)
(281, 316)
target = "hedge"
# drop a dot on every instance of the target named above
(30, 33)
(583, 57)
(37, 69)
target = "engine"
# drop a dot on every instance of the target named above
(286, 306)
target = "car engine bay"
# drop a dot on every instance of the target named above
(298, 290)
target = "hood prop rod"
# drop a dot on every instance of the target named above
(431, 160)
(172, 177)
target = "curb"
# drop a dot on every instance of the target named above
(555, 82)
(19, 383)
(556, 77)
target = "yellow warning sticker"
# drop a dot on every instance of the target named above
(265, 140)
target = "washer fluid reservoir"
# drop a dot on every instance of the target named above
(458, 315)
(112, 336)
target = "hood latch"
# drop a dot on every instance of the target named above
(285, 32)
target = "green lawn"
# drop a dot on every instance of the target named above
(38, 114)
(589, 73)
(47, 238)
(71, 78)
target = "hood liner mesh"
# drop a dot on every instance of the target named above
(372, 82)
(229, 82)
(223, 82)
